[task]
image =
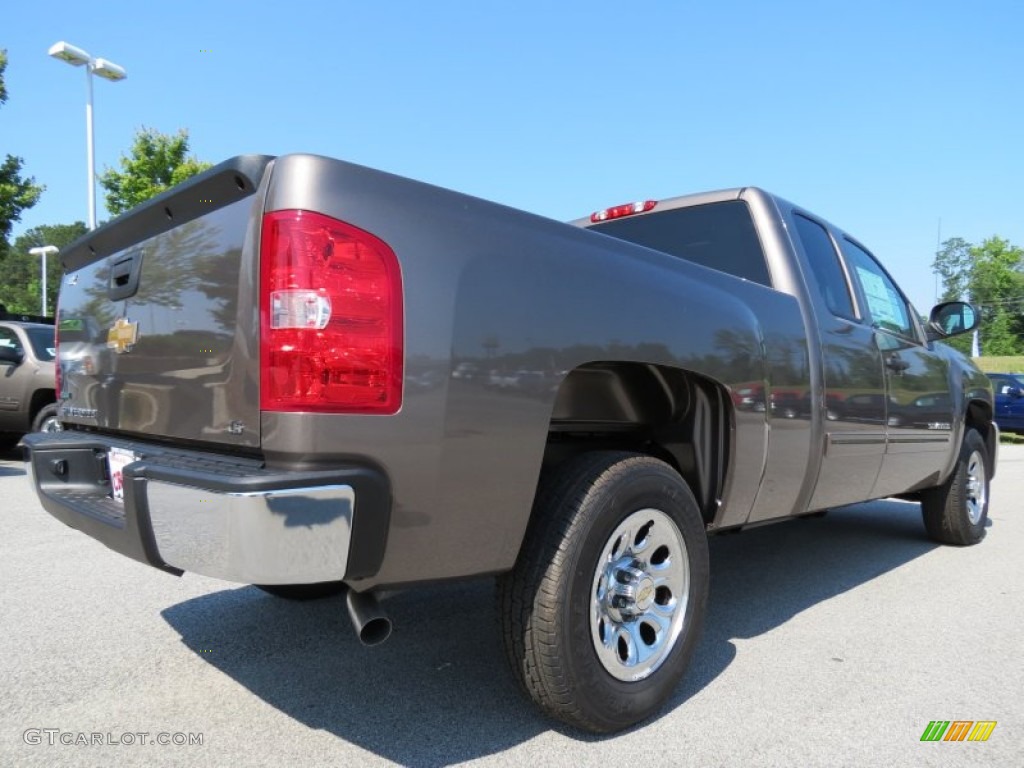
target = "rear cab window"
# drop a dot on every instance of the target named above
(8, 338)
(43, 343)
(720, 236)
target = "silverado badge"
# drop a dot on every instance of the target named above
(122, 337)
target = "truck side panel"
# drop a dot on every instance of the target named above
(527, 300)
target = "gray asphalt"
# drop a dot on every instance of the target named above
(830, 642)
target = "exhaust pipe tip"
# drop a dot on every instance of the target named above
(375, 631)
(372, 625)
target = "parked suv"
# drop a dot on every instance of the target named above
(27, 399)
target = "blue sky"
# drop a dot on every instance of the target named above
(883, 117)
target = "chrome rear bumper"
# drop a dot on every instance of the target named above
(294, 536)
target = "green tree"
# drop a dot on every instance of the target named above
(156, 163)
(16, 193)
(997, 287)
(953, 264)
(20, 289)
(990, 276)
(998, 336)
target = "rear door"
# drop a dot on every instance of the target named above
(853, 408)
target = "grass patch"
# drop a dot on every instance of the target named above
(1010, 437)
(1008, 364)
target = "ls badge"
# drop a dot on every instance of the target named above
(122, 337)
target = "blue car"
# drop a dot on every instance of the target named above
(1009, 390)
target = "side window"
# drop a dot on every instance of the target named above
(886, 307)
(1003, 384)
(825, 266)
(9, 338)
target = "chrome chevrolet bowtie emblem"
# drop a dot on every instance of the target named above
(122, 337)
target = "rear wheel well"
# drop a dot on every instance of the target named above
(674, 415)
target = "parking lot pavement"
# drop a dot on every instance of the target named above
(830, 641)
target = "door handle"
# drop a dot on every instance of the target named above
(124, 276)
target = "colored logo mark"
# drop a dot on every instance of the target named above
(958, 730)
(123, 336)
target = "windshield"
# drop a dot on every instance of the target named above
(42, 343)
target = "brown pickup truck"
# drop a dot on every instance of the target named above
(27, 388)
(319, 378)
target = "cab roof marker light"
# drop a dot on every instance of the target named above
(618, 211)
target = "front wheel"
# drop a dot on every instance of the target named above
(46, 419)
(602, 611)
(955, 512)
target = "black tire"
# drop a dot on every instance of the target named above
(956, 511)
(46, 419)
(303, 591)
(550, 611)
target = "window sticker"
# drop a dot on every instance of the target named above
(884, 310)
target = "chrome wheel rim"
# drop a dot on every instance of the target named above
(51, 425)
(976, 492)
(639, 595)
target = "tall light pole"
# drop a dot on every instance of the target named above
(44, 251)
(76, 57)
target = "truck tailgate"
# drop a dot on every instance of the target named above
(151, 339)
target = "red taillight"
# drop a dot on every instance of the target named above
(623, 210)
(330, 317)
(56, 360)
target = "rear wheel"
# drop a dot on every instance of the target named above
(303, 591)
(955, 512)
(602, 611)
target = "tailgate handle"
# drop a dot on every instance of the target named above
(124, 276)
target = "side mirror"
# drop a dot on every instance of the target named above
(10, 355)
(951, 319)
